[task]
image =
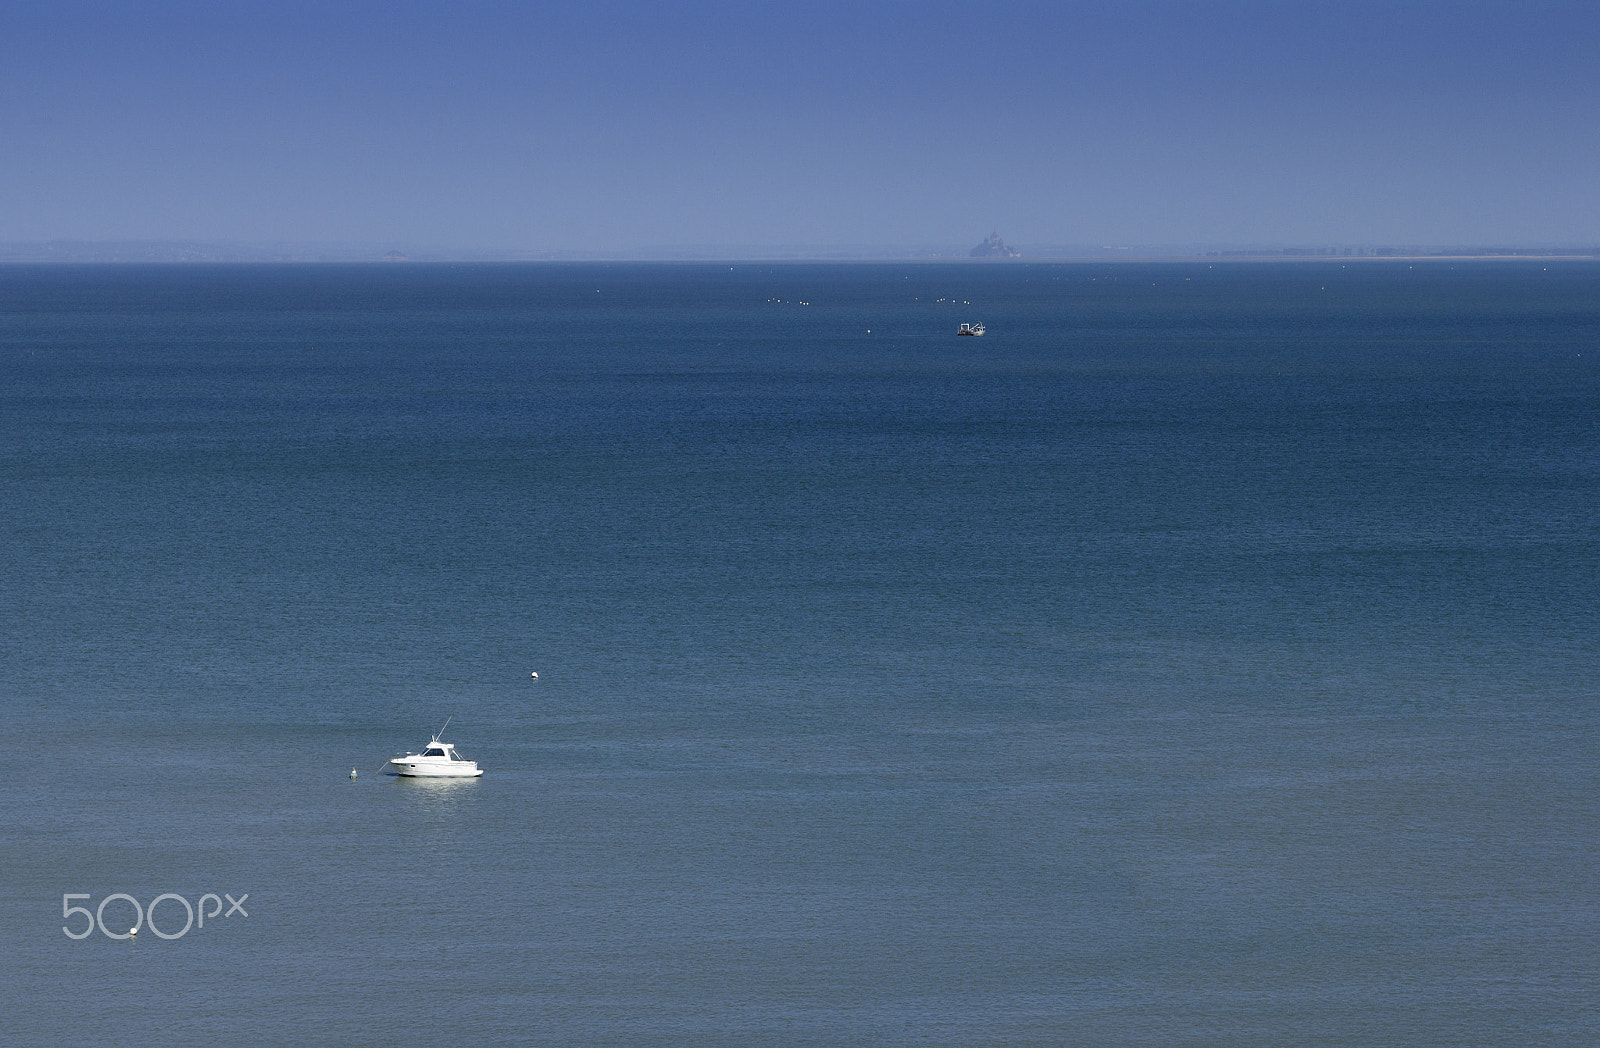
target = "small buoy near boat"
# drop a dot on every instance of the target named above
(352, 773)
(535, 676)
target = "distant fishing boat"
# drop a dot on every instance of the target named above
(970, 329)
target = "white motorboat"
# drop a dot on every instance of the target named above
(439, 760)
(970, 329)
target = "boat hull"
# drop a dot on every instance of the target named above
(437, 770)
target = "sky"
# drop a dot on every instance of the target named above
(616, 126)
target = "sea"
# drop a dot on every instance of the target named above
(1208, 655)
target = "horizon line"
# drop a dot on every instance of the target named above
(177, 251)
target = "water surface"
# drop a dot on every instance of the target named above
(1204, 656)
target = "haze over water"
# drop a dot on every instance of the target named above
(1204, 656)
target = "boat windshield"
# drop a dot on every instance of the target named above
(435, 751)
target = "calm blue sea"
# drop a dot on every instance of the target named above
(1208, 655)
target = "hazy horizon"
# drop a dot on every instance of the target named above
(158, 252)
(620, 129)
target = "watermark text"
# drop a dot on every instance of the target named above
(193, 916)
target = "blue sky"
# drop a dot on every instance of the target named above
(618, 126)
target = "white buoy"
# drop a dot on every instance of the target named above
(535, 676)
(352, 773)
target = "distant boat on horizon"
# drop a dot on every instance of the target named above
(970, 329)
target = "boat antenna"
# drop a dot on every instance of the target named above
(447, 721)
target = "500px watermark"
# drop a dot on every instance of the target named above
(143, 915)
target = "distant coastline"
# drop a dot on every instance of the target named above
(194, 252)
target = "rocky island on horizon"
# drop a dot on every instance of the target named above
(994, 247)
